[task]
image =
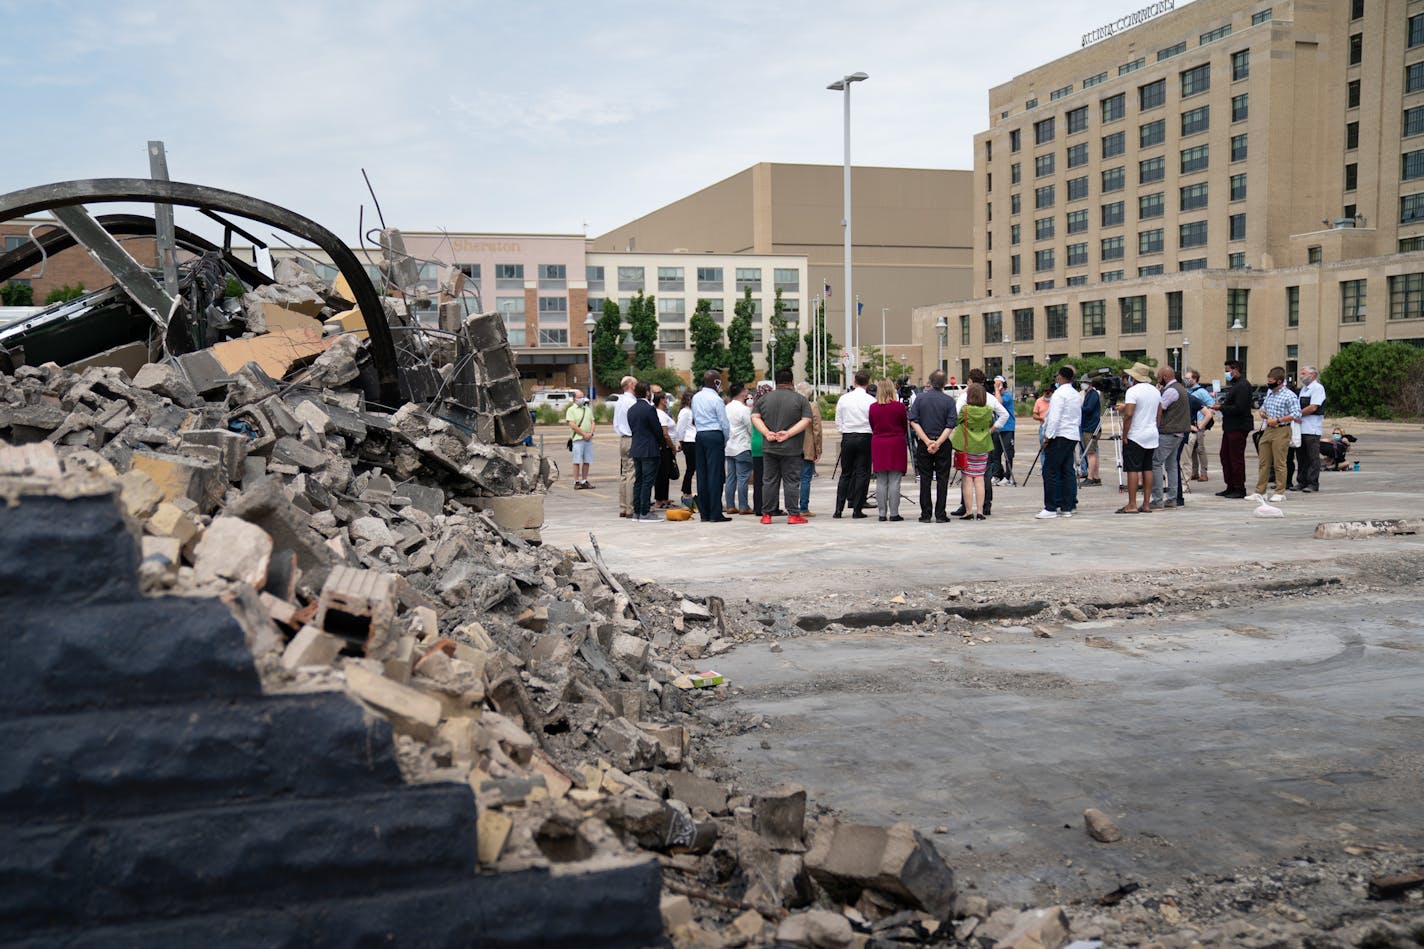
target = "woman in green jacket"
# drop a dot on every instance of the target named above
(973, 438)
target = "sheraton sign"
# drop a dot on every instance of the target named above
(1131, 20)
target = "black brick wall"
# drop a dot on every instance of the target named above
(150, 794)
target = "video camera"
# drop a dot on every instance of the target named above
(1109, 383)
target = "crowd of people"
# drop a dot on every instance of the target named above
(755, 452)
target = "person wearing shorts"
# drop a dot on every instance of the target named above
(581, 426)
(1139, 415)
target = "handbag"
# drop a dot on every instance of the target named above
(1295, 434)
(961, 456)
(674, 471)
(570, 444)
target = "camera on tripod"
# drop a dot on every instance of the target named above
(1109, 384)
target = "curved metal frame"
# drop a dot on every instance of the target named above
(146, 190)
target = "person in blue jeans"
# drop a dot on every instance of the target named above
(1088, 430)
(1002, 459)
(738, 451)
(811, 447)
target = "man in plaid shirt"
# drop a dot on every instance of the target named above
(1280, 408)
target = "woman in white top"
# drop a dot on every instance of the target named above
(685, 434)
(666, 456)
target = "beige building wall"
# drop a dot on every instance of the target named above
(911, 232)
(1305, 129)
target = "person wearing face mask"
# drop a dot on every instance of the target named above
(1335, 449)
(1278, 410)
(1312, 426)
(1234, 405)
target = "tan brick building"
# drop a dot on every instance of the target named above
(70, 267)
(1255, 161)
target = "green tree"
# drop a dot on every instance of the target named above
(1366, 379)
(17, 294)
(609, 362)
(643, 324)
(708, 349)
(66, 292)
(740, 367)
(894, 367)
(662, 376)
(784, 336)
(816, 337)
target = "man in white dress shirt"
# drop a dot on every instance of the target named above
(853, 422)
(625, 442)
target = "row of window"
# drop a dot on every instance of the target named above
(1193, 234)
(1191, 197)
(672, 280)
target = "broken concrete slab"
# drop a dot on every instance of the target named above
(411, 712)
(780, 817)
(816, 929)
(311, 647)
(845, 858)
(1100, 826)
(1045, 928)
(695, 791)
(232, 549)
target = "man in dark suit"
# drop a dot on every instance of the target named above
(645, 451)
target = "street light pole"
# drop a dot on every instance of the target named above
(941, 330)
(589, 324)
(884, 351)
(1185, 343)
(772, 364)
(843, 85)
(1236, 329)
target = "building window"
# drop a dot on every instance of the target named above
(1240, 107)
(1031, 104)
(1352, 94)
(717, 309)
(1416, 30)
(553, 308)
(1196, 120)
(1114, 144)
(595, 306)
(1023, 325)
(1174, 311)
(1357, 48)
(553, 276)
(672, 339)
(1238, 187)
(1077, 221)
(964, 330)
(670, 280)
(993, 327)
(1133, 66)
(1195, 158)
(510, 307)
(1191, 235)
(1013, 234)
(1043, 165)
(509, 276)
(594, 276)
(1262, 16)
(989, 149)
(1237, 308)
(553, 337)
(1412, 166)
(1056, 316)
(1292, 306)
(1194, 263)
(1352, 135)
(1095, 321)
(1152, 95)
(1043, 285)
(672, 309)
(786, 278)
(1357, 9)
(1414, 121)
(1043, 197)
(1114, 107)
(1150, 205)
(630, 278)
(1149, 242)
(1077, 154)
(1015, 204)
(1406, 296)
(1112, 214)
(1043, 259)
(710, 278)
(1408, 244)
(1077, 188)
(1193, 197)
(1238, 147)
(1312, 254)
(1414, 77)
(749, 278)
(1077, 120)
(1092, 81)
(1043, 228)
(1043, 131)
(1153, 169)
(1015, 267)
(1077, 255)
(1111, 249)
(1236, 261)
(1175, 49)
(1211, 36)
(1152, 133)
(1196, 80)
(1240, 65)
(1352, 301)
(1014, 140)
(1060, 92)
(1133, 313)
(1151, 270)
(1114, 179)
(1079, 281)
(1352, 176)
(1015, 173)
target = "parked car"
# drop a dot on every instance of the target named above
(555, 398)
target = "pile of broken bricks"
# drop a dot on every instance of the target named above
(359, 553)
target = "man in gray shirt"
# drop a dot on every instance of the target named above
(782, 416)
(932, 416)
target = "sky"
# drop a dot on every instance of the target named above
(526, 116)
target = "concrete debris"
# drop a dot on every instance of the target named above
(818, 929)
(1101, 827)
(1037, 929)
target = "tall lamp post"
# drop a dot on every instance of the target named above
(1013, 371)
(843, 85)
(1236, 329)
(772, 362)
(884, 351)
(589, 324)
(1185, 358)
(941, 331)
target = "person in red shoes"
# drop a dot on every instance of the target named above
(782, 417)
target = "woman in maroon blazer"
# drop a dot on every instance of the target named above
(889, 425)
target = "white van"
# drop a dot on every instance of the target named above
(555, 398)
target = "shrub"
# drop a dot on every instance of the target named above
(1368, 379)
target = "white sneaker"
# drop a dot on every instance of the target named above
(1065, 513)
(1276, 497)
(1255, 497)
(1045, 515)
